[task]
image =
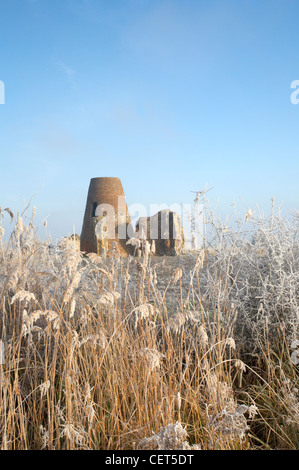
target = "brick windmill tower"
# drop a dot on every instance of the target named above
(106, 218)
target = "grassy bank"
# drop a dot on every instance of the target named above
(147, 352)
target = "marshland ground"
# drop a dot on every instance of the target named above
(195, 351)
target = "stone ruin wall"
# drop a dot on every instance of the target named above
(165, 228)
(106, 231)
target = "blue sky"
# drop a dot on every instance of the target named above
(168, 95)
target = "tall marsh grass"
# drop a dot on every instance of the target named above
(198, 351)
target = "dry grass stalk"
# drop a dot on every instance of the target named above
(99, 351)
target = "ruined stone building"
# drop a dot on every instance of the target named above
(107, 223)
(106, 218)
(166, 229)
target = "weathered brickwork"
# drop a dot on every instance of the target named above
(99, 223)
(166, 229)
(107, 220)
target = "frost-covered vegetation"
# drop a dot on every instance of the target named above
(194, 352)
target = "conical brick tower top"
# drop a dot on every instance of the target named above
(106, 218)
